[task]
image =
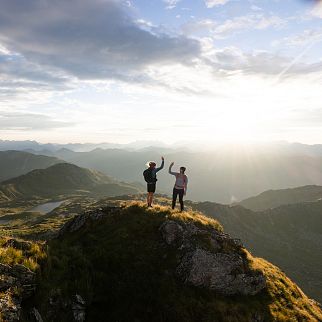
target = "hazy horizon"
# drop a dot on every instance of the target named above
(165, 70)
(161, 144)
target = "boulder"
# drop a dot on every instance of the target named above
(35, 315)
(16, 283)
(211, 259)
(78, 307)
(220, 272)
(80, 220)
(171, 232)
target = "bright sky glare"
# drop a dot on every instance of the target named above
(167, 70)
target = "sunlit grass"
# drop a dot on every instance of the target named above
(288, 303)
(30, 254)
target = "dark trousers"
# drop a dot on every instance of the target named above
(177, 192)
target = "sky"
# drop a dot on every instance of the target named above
(167, 70)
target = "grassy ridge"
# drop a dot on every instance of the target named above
(125, 272)
(275, 198)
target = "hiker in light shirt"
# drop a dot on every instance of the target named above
(180, 186)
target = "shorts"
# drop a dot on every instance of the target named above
(151, 187)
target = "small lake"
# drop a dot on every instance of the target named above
(4, 221)
(47, 207)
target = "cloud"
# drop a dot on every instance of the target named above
(229, 27)
(171, 3)
(214, 3)
(199, 26)
(232, 60)
(309, 36)
(29, 121)
(18, 77)
(253, 21)
(89, 39)
(317, 10)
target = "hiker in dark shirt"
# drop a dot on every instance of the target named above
(150, 176)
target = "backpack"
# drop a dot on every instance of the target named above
(147, 174)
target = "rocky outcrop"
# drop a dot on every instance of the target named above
(17, 282)
(74, 307)
(17, 244)
(35, 315)
(78, 307)
(80, 220)
(211, 259)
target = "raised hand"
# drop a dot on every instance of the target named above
(172, 163)
(162, 158)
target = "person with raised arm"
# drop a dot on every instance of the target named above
(180, 186)
(150, 176)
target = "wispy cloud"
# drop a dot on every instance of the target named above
(236, 25)
(232, 60)
(304, 38)
(253, 21)
(29, 121)
(170, 4)
(214, 3)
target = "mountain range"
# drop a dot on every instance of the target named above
(63, 179)
(224, 176)
(16, 163)
(274, 198)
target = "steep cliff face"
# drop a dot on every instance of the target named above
(136, 264)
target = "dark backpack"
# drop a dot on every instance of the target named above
(147, 174)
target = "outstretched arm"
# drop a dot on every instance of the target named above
(170, 169)
(161, 166)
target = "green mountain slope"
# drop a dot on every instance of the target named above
(63, 179)
(16, 163)
(289, 236)
(138, 264)
(274, 198)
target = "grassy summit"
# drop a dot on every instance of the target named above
(117, 260)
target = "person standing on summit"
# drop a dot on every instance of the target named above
(180, 186)
(150, 176)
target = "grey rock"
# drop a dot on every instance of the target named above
(79, 221)
(13, 278)
(78, 307)
(6, 282)
(18, 244)
(4, 269)
(24, 274)
(35, 315)
(220, 272)
(9, 308)
(211, 259)
(171, 232)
